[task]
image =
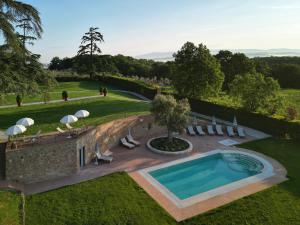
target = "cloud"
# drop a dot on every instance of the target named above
(280, 7)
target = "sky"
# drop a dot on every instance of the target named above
(136, 27)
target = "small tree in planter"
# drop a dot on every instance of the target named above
(46, 96)
(170, 113)
(105, 91)
(100, 90)
(64, 95)
(19, 100)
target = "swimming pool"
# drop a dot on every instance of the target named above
(203, 176)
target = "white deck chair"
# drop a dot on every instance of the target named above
(107, 153)
(36, 136)
(126, 144)
(132, 141)
(219, 130)
(230, 131)
(191, 131)
(210, 130)
(241, 132)
(69, 126)
(60, 130)
(200, 130)
(103, 157)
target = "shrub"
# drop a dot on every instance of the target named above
(101, 90)
(64, 95)
(291, 113)
(105, 91)
(19, 100)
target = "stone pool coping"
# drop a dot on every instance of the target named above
(182, 213)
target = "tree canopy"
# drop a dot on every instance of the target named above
(196, 72)
(170, 113)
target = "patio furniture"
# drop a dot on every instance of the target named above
(200, 130)
(132, 141)
(60, 130)
(241, 132)
(230, 131)
(36, 137)
(126, 144)
(107, 153)
(191, 131)
(219, 130)
(103, 157)
(69, 126)
(210, 130)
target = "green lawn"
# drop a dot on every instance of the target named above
(74, 89)
(101, 110)
(9, 208)
(117, 199)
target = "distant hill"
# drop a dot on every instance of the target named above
(168, 56)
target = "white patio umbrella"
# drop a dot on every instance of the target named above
(26, 122)
(15, 129)
(213, 121)
(234, 123)
(69, 119)
(82, 114)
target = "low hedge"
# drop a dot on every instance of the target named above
(273, 126)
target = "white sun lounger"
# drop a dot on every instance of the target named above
(219, 130)
(60, 130)
(36, 136)
(126, 144)
(230, 131)
(132, 141)
(104, 157)
(69, 126)
(191, 131)
(107, 153)
(241, 132)
(210, 130)
(200, 131)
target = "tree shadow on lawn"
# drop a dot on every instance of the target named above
(47, 117)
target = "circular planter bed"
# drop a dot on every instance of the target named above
(161, 145)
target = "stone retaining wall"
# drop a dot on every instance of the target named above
(39, 162)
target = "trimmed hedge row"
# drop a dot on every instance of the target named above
(273, 126)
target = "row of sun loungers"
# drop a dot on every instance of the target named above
(129, 142)
(217, 131)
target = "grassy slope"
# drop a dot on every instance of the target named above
(47, 116)
(75, 89)
(9, 208)
(116, 199)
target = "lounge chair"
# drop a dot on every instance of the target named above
(230, 131)
(200, 131)
(191, 131)
(241, 132)
(36, 136)
(126, 144)
(103, 157)
(69, 126)
(60, 130)
(132, 141)
(107, 153)
(219, 130)
(210, 130)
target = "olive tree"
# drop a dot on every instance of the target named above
(171, 113)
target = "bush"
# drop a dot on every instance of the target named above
(105, 91)
(291, 113)
(101, 90)
(164, 144)
(64, 95)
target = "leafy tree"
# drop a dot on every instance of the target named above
(288, 75)
(170, 113)
(30, 32)
(234, 64)
(196, 72)
(10, 12)
(254, 90)
(89, 45)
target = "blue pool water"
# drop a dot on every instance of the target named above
(203, 174)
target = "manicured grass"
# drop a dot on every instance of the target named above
(164, 144)
(74, 89)
(116, 199)
(101, 110)
(9, 208)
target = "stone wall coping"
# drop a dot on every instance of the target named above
(189, 149)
